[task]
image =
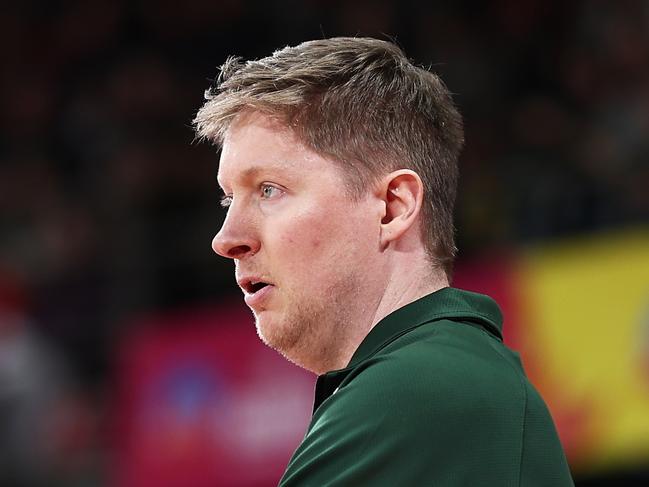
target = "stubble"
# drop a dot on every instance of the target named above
(314, 330)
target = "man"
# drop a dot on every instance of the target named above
(339, 170)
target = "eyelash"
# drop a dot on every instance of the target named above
(226, 200)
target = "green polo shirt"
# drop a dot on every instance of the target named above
(431, 397)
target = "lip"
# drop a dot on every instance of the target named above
(244, 281)
(257, 298)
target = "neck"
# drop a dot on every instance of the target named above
(399, 289)
(399, 293)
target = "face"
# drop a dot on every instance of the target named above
(305, 251)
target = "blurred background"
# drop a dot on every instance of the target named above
(126, 356)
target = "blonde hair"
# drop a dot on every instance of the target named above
(362, 103)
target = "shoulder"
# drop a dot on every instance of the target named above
(447, 364)
(450, 390)
(425, 404)
(432, 384)
(445, 404)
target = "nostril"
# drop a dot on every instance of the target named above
(239, 251)
(234, 246)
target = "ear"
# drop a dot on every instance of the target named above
(403, 193)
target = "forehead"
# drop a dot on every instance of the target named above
(257, 144)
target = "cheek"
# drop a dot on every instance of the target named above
(301, 236)
(305, 237)
(308, 240)
(321, 238)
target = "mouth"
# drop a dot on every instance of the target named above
(252, 286)
(256, 292)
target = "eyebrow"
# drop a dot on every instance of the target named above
(253, 171)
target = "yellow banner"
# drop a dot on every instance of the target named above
(586, 304)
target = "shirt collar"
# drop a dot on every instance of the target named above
(446, 303)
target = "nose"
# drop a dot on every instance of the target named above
(236, 239)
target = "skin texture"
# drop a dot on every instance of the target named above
(335, 264)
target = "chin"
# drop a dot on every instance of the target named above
(278, 334)
(261, 324)
(269, 329)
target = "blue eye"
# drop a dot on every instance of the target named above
(268, 191)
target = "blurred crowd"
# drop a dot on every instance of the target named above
(108, 206)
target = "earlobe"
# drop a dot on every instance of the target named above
(402, 192)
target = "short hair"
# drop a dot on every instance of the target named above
(362, 103)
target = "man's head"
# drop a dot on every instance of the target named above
(339, 163)
(361, 103)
